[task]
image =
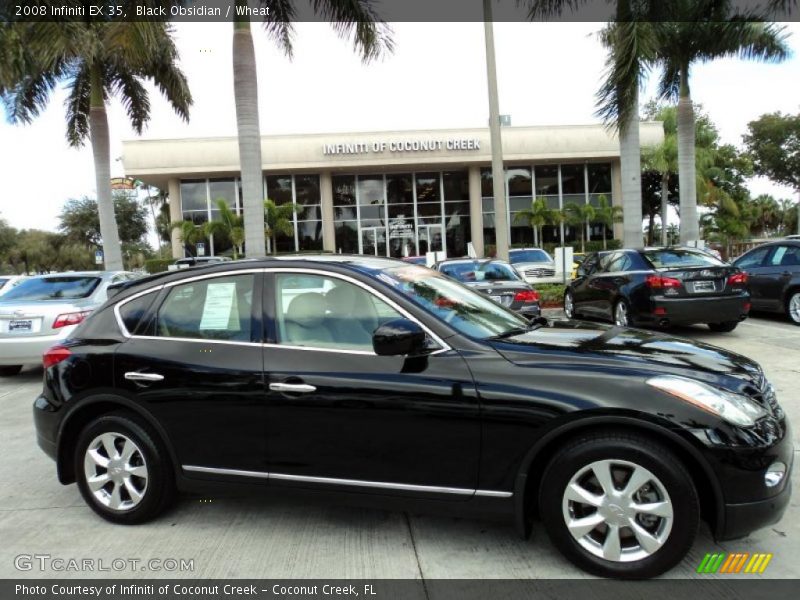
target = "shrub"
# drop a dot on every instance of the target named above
(157, 265)
(551, 293)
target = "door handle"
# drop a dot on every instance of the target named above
(786, 274)
(146, 377)
(292, 387)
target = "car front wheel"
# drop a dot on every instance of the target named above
(569, 305)
(123, 473)
(622, 314)
(619, 505)
(793, 307)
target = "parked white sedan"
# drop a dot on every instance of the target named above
(43, 310)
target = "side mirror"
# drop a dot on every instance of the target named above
(401, 337)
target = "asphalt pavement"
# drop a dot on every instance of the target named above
(280, 538)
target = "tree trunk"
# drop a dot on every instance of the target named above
(604, 237)
(535, 236)
(687, 179)
(664, 206)
(98, 132)
(631, 171)
(245, 89)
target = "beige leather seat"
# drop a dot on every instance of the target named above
(350, 318)
(305, 321)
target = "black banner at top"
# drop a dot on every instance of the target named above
(398, 10)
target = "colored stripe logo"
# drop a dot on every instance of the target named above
(734, 562)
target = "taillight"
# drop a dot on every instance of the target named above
(54, 355)
(70, 318)
(737, 279)
(527, 296)
(658, 282)
(747, 307)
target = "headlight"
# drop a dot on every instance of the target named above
(733, 408)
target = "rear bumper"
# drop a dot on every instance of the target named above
(27, 350)
(528, 310)
(696, 310)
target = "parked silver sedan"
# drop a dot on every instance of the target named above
(43, 310)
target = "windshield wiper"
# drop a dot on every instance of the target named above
(533, 326)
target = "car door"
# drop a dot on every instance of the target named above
(341, 416)
(195, 363)
(754, 263)
(600, 287)
(780, 266)
(581, 293)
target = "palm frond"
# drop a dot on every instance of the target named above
(279, 26)
(78, 105)
(123, 84)
(358, 21)
(548, 9)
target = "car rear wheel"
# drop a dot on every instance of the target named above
(619, 505)
(123, 473)
(622, 314)
(724, 327)
(10, 370)
(569, 305)
(793, 307)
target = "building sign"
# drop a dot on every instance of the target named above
(394, 146)
(123, 183)
(401, 229)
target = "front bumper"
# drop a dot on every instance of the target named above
(697, 310)
(29, 350)
(741, 519)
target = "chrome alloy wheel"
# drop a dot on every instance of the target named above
(568, 306)
(621, 314)
(794, 307)
(617, 510)
(115, 470)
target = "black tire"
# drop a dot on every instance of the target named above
(10, 370)
(632, 448)
(159, 491)
(627, 307)
(724, 327)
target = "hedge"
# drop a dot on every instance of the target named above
(157, 265)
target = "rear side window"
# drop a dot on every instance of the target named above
(753, 258)
(133, 312)
(53, 288)
(673, 258)
(219, 308)
(785, 256)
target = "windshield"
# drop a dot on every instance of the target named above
(479, 271)
(469, 312)
(535, 255)
(53, 288)
(673, 258)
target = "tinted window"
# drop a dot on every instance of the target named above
(53, 288)
(214, 309)
(753, 258)
(326, 312)
(535, 255)
(680, 258)
(785, 256)
(620, 262)
(134, 311)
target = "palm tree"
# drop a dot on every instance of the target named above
(98, 60)
(228, 225)
(606, 214)
(189, 234)
(537, 216)
(580, 215)
(354, 19)
(702, 31)
(279, 220)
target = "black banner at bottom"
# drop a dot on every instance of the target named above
(396, 589)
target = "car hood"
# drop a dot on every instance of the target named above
(498, 286)
(591, 344)
(539, 263)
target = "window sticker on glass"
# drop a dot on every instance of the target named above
(220, 307)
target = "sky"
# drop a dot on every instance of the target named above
(548, 74)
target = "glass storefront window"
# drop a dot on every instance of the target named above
(306, 190)
(370, 190)
(346, 237)
(279, 188)
(309, 235)
(546, 180)
(222, 189)
(456, 185)
(399, 189)
(519, 181)
(486, 183)
(572, 181)
(428, 187)
(194, 195)
(599, 178)
(344, 190)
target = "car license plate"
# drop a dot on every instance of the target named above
(701, 287)
(20, 325)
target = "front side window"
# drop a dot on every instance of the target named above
(785, 256)
(53, 288)
(316, 311)
(469, 312)
(218, 308)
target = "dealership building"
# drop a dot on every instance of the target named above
(393, 193)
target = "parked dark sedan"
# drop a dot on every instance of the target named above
(659, 287)
(495, 278)
(390, 384)
(774, 277)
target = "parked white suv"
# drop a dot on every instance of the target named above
(533, 264)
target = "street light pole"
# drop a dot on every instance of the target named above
(498, 174)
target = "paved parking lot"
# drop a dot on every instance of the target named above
(279, 538)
